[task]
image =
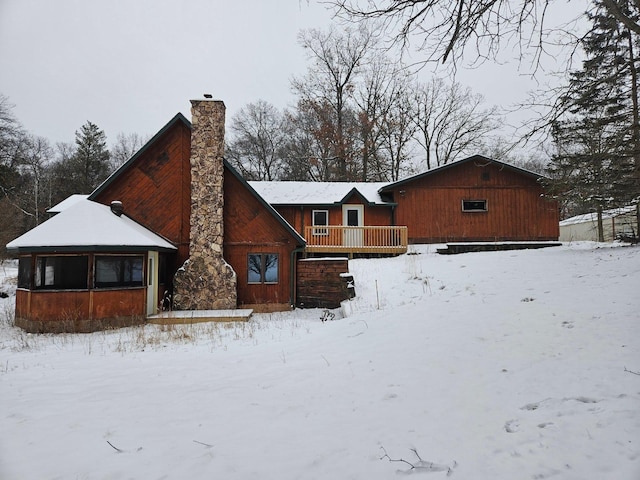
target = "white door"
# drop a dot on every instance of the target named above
(353, 216)
(152, 283)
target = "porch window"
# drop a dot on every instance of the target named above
(62, 272)
(263, 268)
(320, 218)
(474, 205)
(24, 272)
(119, 271)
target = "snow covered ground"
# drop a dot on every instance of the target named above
(500, 365)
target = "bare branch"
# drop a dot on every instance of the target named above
(631, 371)
(114, 447)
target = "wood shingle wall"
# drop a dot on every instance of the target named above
(322, 283)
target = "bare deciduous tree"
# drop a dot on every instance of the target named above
(258, 139)
(385, 118)
(126, 146)
(445, 28)
(450, 121)
(398, 129)
(36, 158)
(327, 88)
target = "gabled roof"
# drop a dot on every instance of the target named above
(318, 193)
(178, 118)
(67, 202)
(300, 239)
(89, 226)
(480, 159)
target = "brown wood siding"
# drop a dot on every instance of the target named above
(156, 189)
(250, 228)
(301, 217)
(79, 310)
(62, 305)
(119, 303)
(320, 284)
(431, 207)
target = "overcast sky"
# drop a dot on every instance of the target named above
(130, 65)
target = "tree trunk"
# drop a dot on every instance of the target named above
(600, 225)
(636, 109)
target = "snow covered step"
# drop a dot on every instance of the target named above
(199, 316)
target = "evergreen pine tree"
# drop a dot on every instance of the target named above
(87, 167)
(598, 142)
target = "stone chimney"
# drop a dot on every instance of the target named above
(206, 281)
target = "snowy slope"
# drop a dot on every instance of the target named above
(498, 365)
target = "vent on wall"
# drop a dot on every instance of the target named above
(117, 208)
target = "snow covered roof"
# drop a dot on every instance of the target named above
(593, 217)
(317, 193)
(89, 226)
(480, 161)
(67, 202)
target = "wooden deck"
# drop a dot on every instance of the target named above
(356, 240)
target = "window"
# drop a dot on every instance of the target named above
(320, 218)
(263, 268)
(474, 205)
(118, 271)
(24, 272)
(62, 273)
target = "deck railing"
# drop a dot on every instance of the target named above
(340, 239)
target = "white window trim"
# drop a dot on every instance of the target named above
(320, 231)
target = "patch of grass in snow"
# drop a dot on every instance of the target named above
(7, 309)
(214, 335)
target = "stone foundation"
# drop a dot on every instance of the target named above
(206, 281)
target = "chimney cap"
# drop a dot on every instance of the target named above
(116, 207)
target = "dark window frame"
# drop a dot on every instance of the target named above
(25, 272)
(320, 231)
(61, 272)
(125, 271)
(475, 206)
(260, 264)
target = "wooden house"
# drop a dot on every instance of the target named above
(338, 217)
(116, 253)
(474, 200)
(177, 226)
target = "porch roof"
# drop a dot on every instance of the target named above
(89, 226)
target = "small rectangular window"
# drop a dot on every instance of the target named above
(118, 271)
(263, 268)
(474, 205)
(320, 218)
(62, 273)
(24, 272)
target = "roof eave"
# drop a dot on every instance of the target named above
(399, 183)
(88, 249)
(178, 118)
